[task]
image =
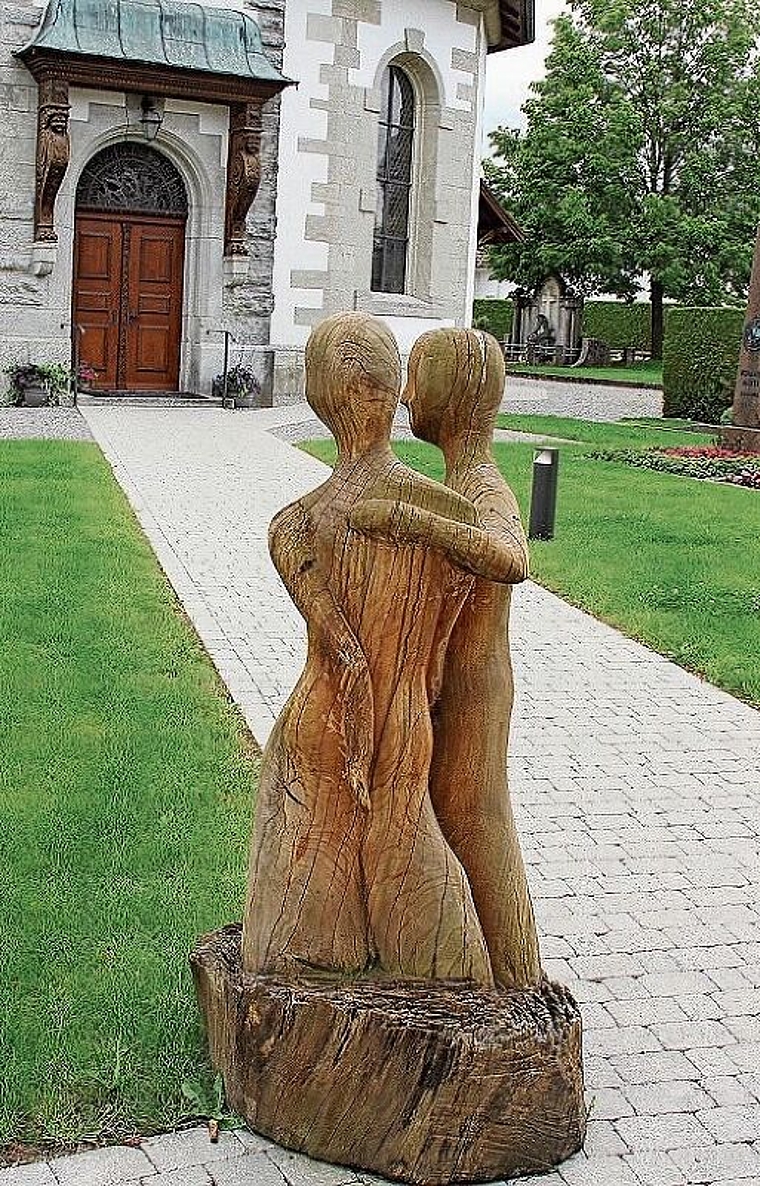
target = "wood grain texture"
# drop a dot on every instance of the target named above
(453, 392)
(349, 868)
(383, 1004)
(424, 1082)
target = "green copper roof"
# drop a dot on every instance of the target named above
(187, 36)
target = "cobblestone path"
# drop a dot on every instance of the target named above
(638, 801)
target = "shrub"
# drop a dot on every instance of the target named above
(495, 317)
(618, 324)
(53, 376)
(242, 383)
(700, 358)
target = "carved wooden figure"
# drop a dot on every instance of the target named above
(243, 173)
(453, 392)
(53, 151)
(350, 871)
(382, 1005)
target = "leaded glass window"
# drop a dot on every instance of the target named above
(394, 182)
(131, 178)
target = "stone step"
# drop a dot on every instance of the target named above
(147, 399)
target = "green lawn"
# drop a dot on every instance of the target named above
(623, 434)
(126, 788)
(647, 373)
(668, 560)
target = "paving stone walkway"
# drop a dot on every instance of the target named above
(638, 801)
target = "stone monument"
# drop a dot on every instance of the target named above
(745, 431)
(547, 325)
(383, 1004)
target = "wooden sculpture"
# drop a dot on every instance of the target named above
(453, 392)
(243, 174)
(53, 151)
(384, 1006)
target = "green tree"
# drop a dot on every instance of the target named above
(640, 153)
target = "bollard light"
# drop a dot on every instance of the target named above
(543, 501)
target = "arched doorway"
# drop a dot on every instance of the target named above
(129, 248)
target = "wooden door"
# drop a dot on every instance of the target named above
(128, 281)
(153, 264)
(97, 296)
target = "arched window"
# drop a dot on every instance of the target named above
(129, 177)
(394, 182)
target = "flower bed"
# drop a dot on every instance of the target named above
(711, 463)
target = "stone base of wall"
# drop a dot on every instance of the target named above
(289, 385)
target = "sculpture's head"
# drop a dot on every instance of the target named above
(455, 384)
(57, 120)
(353, 376)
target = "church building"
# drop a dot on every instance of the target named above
(177, 177)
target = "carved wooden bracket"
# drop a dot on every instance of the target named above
(243, 173)
(53, 151)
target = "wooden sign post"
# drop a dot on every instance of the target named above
(383, 1004)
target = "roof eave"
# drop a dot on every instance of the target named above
(509, 24)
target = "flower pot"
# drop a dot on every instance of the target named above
(245, 399)
(36, 395)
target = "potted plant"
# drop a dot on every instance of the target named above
(59, 380)
(38, 384)
(242, 386)
(86, 376)
(27, 385)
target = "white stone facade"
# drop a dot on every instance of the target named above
(311, 224)
(328, 159)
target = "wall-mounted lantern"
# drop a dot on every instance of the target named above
(151, 117)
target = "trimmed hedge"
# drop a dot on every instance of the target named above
(495, 317)
(700, 358)
(614, 322)
(618, 324)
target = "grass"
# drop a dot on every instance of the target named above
(670, 561)
(622, 434)
(674, 423)
(126, 789)
(647, 373)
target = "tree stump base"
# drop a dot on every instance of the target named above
(427, 1082)
(741, 438)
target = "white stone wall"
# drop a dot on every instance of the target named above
(488, 289)
(301, 122)
(33, 325)
(338, 49)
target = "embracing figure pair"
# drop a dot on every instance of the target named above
(385, 844)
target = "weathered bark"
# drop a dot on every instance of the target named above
(455, 387)
(421, 1081)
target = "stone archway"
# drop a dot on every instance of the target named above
(129, 249)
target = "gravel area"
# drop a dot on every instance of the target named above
(57, 424)
(547, 397)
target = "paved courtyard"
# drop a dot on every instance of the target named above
(638, 802)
